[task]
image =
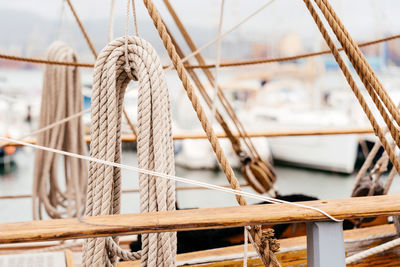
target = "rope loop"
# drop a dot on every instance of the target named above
(154, 144)
(61, 97)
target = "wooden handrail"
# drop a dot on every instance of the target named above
(129, 138)
(125, 191)
(124, 224)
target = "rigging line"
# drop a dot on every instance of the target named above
(223, 34)
(87, 38)
(60, 21)
(50, 126)
(171, 177)
(207, 66)
(124, 191)
(287, 58)
(111, 22)
(135, 18)
(218, 59)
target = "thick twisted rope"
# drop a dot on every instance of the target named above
(346, 72)
(155, 149)
(61, 97)
(364, 71)
(268, 258)
(207, 66)
(259, 173)
(372, 251)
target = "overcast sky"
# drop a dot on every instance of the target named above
(204, 12)
(362, 17)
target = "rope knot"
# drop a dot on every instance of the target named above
(268, 235)
(130, 72)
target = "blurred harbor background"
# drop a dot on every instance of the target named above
(303, 94)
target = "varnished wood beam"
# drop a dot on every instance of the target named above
(124, 224)
(130, 138)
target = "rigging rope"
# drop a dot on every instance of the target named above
(155, 149)
(174, 178)
(61, 96)
(218, 61)
(258, 173)
(207, 66)
(262, 242)
(377, 93)
(378, 130)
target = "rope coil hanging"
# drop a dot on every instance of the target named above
(61, 97)
(155, 149)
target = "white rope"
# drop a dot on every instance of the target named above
(135, 18)
(174, 178)
(245, 250)
(126, 38)
(60, 21)
(224, 34)
(52, 125)
(217, 64)
(111, 23)
(372, 251)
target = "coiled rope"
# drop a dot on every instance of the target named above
(61, 97)
(155, 149)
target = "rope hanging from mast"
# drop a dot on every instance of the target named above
(155, 149)
(61, 97)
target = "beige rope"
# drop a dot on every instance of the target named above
(87, 38)
(218, 62)
(353, 86)
(262, 244)
(257, 172)
(206, 66)
(111, 21)
(61, 96)
(364, 71)
(372, 251)
(155, 149)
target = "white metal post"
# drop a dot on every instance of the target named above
(325, 244)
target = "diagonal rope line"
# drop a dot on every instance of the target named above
(208, 66)
(172, 177)
(218, 61)
(223, 34)
(50, 126)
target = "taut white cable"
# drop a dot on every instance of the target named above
(224, 34)
(171, 177)
(217, 63)
(246, 242)
(52, 125)
(111, 23)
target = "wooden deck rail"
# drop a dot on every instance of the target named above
(129, 138)
(125, 224)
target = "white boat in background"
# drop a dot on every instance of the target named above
(292, 104)
(336, 153)
(198, 153)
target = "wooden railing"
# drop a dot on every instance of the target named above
(129, 138)
(125, 224)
